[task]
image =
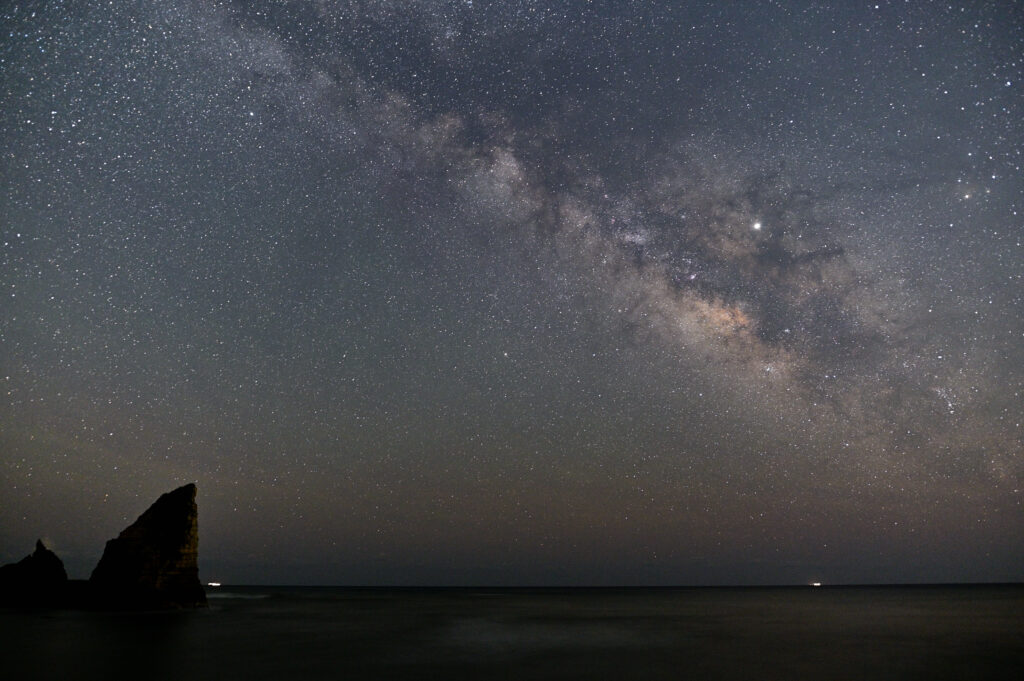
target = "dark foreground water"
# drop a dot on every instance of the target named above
(312, 633)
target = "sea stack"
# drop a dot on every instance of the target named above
(37, 579)
(153, 562)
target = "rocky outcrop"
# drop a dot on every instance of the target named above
(36, 579)
(153, 562)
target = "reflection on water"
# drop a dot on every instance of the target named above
(271, 633)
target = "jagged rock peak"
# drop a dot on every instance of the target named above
(38, 578)
(153, 563)
(48, 562)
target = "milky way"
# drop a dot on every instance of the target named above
(518, 292)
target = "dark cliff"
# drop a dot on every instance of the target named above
(153, 562)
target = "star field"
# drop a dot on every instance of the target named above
(453, 292)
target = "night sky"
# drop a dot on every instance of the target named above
(522, 292)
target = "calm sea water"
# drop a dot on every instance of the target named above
(331, 633)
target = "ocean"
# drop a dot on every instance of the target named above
(921, 632)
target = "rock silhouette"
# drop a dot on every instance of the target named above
(152, 564)
(35, 579)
